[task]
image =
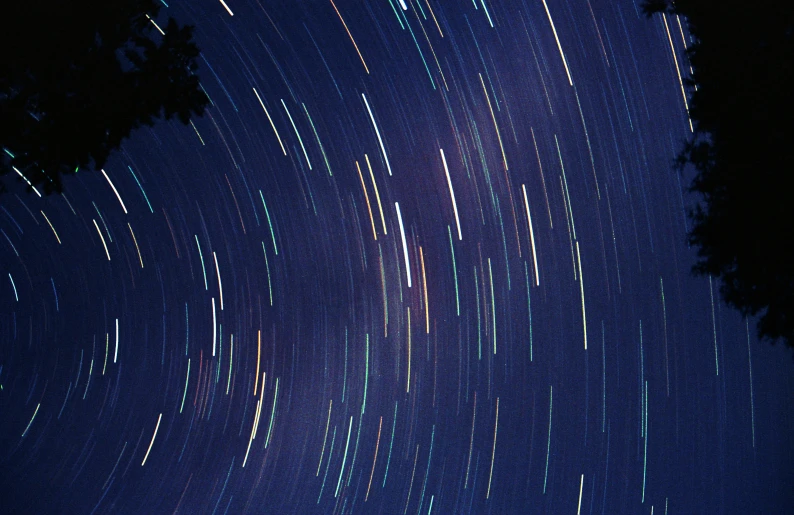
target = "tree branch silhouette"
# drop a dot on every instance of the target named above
(80, 77)
(742, 151)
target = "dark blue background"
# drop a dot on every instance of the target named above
(674, 407)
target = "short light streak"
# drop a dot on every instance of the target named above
(197, 134)
(156, 26)
(383, 292)
(231, 361)
(565, 182)
(377, 132)
(218, 272)
(31, 420)
(16, 296)
(366, 197)
(434, 18)
(351, 36)
(377, 194)
(493, 449)
(325, 438)
(227, 8)
(531, 235)
(258, 359)
(88, 383)
(548, 442)
(269, 223)
(135, 240)
(495, 125)
(405, 245)
(408, 375)
(53, 228)
(581, 484)
(116, 351)
(107, 345)
(271, 122)
(254, 427)
(328, 466)
(152, 442)
(374, 460)
(581, 290)
(203, 269)
(750, 367)
(411, 484)
(391, 443)
(678, 71)
(402, 4)
(272, 414)
(214, 327)
(115, 191)
(559, 46)
(542, 177)
(366, 381)
(490, 22)
(103, 239)
(424, 284)
(455, 271)
(267, 269)
(26, 180)
(493, 304)
(529, 309)
(187, 379)
(645, 455)
(300, 140)
(344, 458)
(471, 440)
(714, 327)
(102, 219)
(320, 143)
(451, 194)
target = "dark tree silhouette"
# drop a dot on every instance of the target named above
(77, 77)
(742, 151)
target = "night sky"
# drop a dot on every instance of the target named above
(417, 257)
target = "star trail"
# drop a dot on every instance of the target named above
(419, 256)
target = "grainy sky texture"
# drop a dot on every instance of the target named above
(418, 257)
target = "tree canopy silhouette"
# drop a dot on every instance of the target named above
(78, 78)
(742, 151)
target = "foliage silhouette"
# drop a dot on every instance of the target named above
(78, 78)
(742, 150)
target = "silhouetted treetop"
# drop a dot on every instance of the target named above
(78, 77)
(742, 150)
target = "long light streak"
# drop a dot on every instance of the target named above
(369, 206)
(271, 122)
(559, 46)
(31, 420)
(493, 117)
(152, 442)
(451, 194)
(493, 449)
(531, 235)
(351, 37)
(218, 272)
(377, 133)
(115, 191)
(300, 140)
(405, 245)
(107, 253)
(377, 194)
(53, 228)
(374, 460)
(581, 290)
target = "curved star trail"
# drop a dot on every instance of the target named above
(418, 257)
